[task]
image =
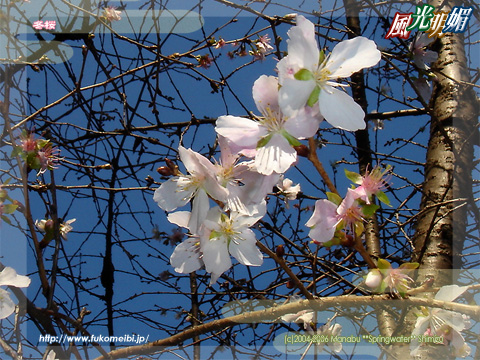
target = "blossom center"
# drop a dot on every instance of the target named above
(273, 120)
(322, 75)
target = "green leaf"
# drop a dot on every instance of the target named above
(303, 75)
(334, 198)
(359, 228)
(9, 208)
(42, 142)
(353, 176)
(382, 287)
(369, 210)
(409, 266)
(7, 220)
(332, 242)
(383, 264)
(264, 141)
(17, 150)
(313, 98)
(291, 139)
(383, 197)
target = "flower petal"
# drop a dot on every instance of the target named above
(450, 292)
(200, 207)
(9, 277)
(180, 218)
(169, 197)
(277, 156)
(7, 306)
(303, 123)
(215, 256)
(293, 94)
(302, 45)
(245, 250)
(243, 132)
(186, 256)
(323, 221)
(350, 56)
(340, 110)
(265, 93)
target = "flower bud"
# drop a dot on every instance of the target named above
(164, 171)
(302, 150)
(20, 206)
(348, 240)
(374, 279)
(280, 251)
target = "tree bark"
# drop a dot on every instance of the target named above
(441, 225)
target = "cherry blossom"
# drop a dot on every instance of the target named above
(304, 317)
(420, 54)
(263, 43)
(201, 183)
(112, 14)
(187, 256)
(397, 280)
(219, 236)
(220, 43)
(9, 277)
(246, 187)
(287, 188)
(330, 331)
(223, 235)
(328, 217)
(48, 158)
(45, 226)
(372, 183)
(307, 76)
(274, 136)
(445, 323)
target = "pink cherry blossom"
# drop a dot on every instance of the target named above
(372, 183)
(327, 217)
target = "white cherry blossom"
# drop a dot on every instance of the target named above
(308, 78)
(274, 136)
(445, 323)
(199, 184)
(223, 235)
(9, 277)
(246, 187)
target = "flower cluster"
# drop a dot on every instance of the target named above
(38, 154)
(218, 232)
(256, 151)
(9, 277)
(443, 323)
(336, 219)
